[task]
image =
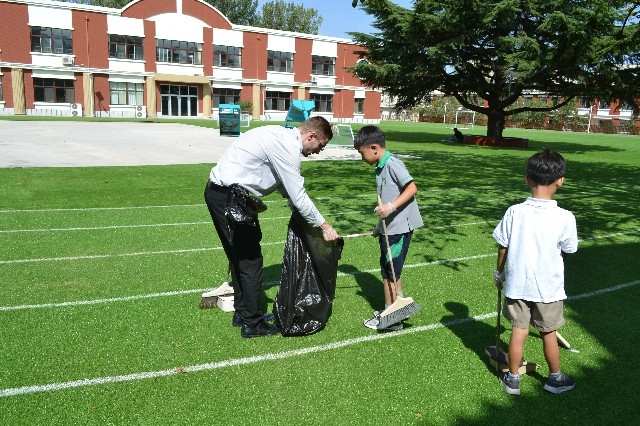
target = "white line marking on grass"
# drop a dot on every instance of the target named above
(105, 256)
(150, 225)
(182, 251)
(199, 290)
(273, 356)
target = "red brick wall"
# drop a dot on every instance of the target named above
(343, 104)
(205, 13)
(347, 57)
(149, 46)
(200, 94)
(29, 94)
(146, 8)
(302, 60)
(246, 93)
(207, 51)
(78, 86)
(101, 92)
(372, 105)
(254, 56)
(95, 52)
(7, 88)
(15, 34)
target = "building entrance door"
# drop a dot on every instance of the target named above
(179, 100)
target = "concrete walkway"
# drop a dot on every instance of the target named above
(78, 144)
(73, 144)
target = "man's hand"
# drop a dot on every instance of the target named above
(498, 278)
(328, 233)
(384, 210)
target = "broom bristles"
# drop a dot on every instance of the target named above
(398, 311)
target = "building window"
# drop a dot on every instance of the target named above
(323, 102)
(51, 40)
(359, 108)
(279, 61)
(603, 104)
(125, 47)
(53, 90)
(227, 56)
(323, 65)
(277, 101)
(123, 93)
(225, 96)
(178, 52)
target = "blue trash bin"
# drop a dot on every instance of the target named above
(229, 119)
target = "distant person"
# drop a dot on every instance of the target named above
(261, 161)
(458, 136)
(532, 237)
(399, 208)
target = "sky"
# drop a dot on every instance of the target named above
(339, 17)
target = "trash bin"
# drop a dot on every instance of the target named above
(229, 119)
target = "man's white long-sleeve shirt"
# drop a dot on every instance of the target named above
(265, 159)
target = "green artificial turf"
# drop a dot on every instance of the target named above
(76, 235)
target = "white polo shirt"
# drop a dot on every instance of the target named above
(536, 232)
(266, 159)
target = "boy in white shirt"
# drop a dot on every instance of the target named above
(532, 237)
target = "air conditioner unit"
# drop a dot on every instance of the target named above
(141, 111)
(68, 60)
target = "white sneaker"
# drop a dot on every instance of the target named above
(372, 322)
(223, 289)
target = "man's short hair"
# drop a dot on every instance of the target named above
(369, 135)
(545, 167)
(319, 125)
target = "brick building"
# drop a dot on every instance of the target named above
(168, 58)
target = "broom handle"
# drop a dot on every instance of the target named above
(386, 239)
(498, 309)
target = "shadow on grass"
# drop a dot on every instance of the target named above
(605, 372)
(370, 286)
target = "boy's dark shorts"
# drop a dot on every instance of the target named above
(543, 316)
(399, 248)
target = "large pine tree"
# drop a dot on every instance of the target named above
(487, 53)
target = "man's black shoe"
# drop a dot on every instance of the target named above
(237, 320)
(263, 328)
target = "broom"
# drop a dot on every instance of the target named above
(403, 307)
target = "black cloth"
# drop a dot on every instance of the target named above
(308, 281)
(241, 244)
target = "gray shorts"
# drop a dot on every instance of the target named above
(543, 316)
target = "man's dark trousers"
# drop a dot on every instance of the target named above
(242, 247)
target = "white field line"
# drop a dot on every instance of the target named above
(170, 206)
(150, 225)
(425, 194)
(273, 356)
(181, 251)
(200, 290)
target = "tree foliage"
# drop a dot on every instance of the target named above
(288, 16)
(496, 50)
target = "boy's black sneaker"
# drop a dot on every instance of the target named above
(559, 383)
(263, 328)
(511, 383)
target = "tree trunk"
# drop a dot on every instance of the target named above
(495, 124)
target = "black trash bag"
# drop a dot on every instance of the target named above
(242, 207)
(308, 281)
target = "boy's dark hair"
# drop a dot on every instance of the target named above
(369, 135)
(545, 167)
